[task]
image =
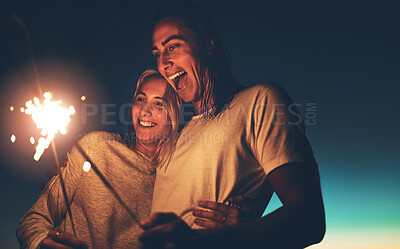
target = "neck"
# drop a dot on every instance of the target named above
(148, 149)
(199, 108)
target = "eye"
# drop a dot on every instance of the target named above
(140, 99)
(159, 104)
(172, 47)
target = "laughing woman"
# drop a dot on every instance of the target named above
(109, 200)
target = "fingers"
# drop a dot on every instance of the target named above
(213, 216)
(165, 234)
(48, 243)
(66, 239)
(164, 230)
(63, 162)
(226, 210)
(157, 219)
(214, 219)
(208, 223)
(238, 200)
(220, 207)
(52, 172)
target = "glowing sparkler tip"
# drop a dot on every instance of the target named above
(86, 166)
(11, 108)
(13, 138)
(50, 117)
(32, 140)
(83, 97)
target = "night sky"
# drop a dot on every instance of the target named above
(339, 61)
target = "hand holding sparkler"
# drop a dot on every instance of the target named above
(56, 239)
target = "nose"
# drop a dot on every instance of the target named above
(164, 63)
(146, 110)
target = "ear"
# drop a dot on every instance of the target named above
(211, 47)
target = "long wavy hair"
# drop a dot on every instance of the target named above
(219, 85)
(166, 146)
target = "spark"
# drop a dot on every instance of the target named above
(11, 108)
(86, 166)
(22, 109)
(50, 117)
(32, 140)
(13, 138)
(83, 97)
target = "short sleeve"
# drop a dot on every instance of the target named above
(277, 131)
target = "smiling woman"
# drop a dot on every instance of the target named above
(109, 199)
(154, 118)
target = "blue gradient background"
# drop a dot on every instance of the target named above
(341, 55)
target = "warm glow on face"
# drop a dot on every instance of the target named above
(86, 166)
(13, 138)
(50, 117)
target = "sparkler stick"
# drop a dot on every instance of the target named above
(23, 26)
(51, 135)
(63, 186)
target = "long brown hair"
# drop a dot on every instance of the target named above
(219, 85)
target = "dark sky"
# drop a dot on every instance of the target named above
(339, 60)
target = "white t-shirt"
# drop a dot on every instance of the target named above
(232, 153)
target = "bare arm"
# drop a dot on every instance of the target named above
(300, 222)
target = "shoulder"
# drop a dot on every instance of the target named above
(97, 137)
(263, 92)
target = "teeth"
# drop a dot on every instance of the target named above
(146, 123)
(176, 75)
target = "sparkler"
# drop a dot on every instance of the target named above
(49, 116)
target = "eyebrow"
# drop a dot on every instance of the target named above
(172, 37)
(146, 96)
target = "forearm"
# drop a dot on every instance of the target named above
(300, 222)
(287, 227)
(44, 215)
(32, 230)
(36, 223)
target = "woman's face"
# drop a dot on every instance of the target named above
(149, 114)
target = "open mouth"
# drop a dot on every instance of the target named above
(176, 78)
(147, 123)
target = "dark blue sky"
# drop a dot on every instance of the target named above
(341, 57)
